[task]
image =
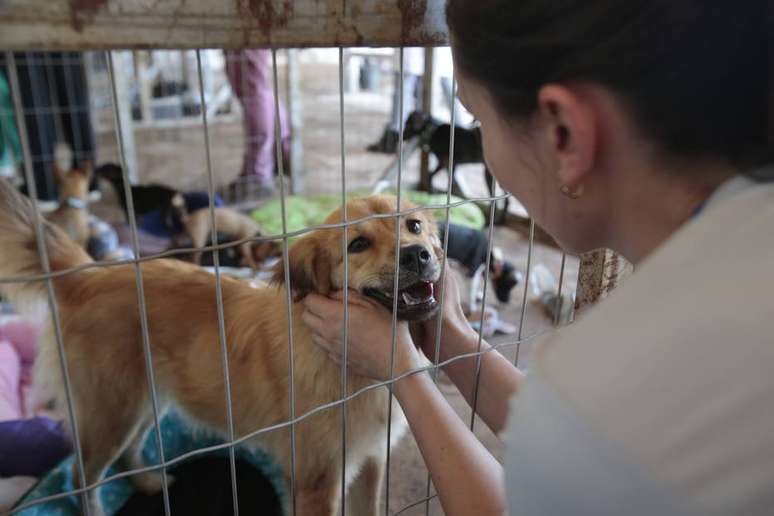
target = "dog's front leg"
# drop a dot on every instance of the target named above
(363, 497)
(321, 498)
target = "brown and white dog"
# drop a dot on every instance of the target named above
(72, 215)
(234, 224)
(103, 345)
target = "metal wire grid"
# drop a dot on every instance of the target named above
(46, 104)
(48, 276)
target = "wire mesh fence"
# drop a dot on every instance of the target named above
(82, 98)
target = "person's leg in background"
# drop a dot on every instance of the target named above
(413, 69)
(469, 247)
(55, 100)
(68, 78)
(250, 75)
(38, 116)
(412, 100)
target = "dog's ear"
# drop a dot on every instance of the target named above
(87, 169)
(60, 174)
(62, 162)
(309, 266)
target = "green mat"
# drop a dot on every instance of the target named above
(303, 212)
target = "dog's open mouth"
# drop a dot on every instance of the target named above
(415, 302)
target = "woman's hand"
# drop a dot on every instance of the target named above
(369, 338)
(454, 324)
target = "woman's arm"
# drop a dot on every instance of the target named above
(498, 378)
(467, 478)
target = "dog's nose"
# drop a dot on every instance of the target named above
(415, 258)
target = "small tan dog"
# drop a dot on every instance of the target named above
(72, 215)
(103, 344)
(234, 224)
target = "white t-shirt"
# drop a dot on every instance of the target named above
(660, 400)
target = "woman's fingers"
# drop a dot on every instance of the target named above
(321, 306)
(354, 298)
(313, 321)
(331, 347)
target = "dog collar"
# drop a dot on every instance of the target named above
(75, 202)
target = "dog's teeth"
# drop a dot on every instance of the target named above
(409, 299)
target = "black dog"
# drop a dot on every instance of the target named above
(434, 138)
(146, 198)
(203, 488)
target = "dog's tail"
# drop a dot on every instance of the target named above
(19, 257)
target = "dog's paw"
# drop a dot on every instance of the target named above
(151, 482)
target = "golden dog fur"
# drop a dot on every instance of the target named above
(234, 224)
(103, 344)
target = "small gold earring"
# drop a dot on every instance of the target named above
(572, 193)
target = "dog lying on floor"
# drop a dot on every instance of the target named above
(146, 198)
(103, 344)
(72, 215)
(234, 224)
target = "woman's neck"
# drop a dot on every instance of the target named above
(650, 209)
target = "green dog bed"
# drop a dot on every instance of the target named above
(303, 212)
(178, 438)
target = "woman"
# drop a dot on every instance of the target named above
(640, 126)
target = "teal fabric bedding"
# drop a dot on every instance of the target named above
(178, 438)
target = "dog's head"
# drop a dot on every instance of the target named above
(316, 261)
(110, 172)
(416, 123)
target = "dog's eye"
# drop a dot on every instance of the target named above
(359, 245)
(414, 226)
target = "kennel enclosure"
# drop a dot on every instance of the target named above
(109, 26)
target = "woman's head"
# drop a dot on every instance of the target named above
(564, 88)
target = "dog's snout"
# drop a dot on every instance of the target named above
(415, 258)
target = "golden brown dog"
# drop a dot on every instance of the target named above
(234, 224)
(72, 215)
(103, 344)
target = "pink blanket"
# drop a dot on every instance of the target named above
(18, 347)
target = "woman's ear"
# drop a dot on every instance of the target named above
(571, 129)
(309, 266)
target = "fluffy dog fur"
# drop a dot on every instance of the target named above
(234, 224)
(72, 215)
(103, 345)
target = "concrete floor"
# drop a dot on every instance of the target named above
(175, 156)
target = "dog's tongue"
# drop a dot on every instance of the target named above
(420, 293)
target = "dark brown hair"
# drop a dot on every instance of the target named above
(696, 73)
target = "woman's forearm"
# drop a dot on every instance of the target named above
(498, 378)
(467, 478)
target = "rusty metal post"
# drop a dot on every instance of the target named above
(600, 272)
(428, 80)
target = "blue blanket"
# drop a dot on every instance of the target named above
(178, 438)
